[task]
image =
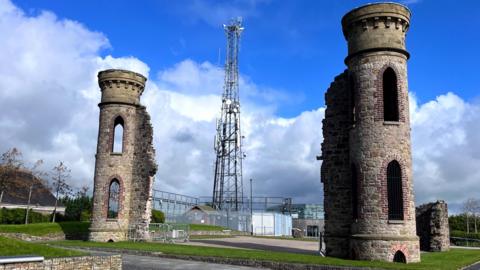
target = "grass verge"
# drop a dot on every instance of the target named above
(12, 247)
(202, 227)
(453, 259)
(40, 229)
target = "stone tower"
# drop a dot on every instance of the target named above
(125, 164)
(367, 165)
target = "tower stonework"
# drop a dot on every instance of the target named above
(122, 196)
(367, 165)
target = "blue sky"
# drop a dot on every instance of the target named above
(291, 50)
(292, 46)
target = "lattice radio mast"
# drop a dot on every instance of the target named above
(228, 183)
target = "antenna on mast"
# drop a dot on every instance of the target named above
(228, 182)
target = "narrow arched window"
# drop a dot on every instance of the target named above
(351, 86)
(113, 199)
(390, 96)
(117, 146)
(394, 191)
(354, 192)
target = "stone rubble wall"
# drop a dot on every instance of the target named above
(432, 226)
(335, 171)
(144, 169)
(113, 262)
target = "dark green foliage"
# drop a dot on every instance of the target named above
(157, 216)
(459, 222)
(463, 234)
(78, 208)
(17, 216)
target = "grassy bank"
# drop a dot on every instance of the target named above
(12, 247)
(453, 259)
(39, 229)
(202, 227)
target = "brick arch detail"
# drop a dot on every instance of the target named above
(399, 247)
(382, 186)
(401, 94)
(120, 196)
(111, 137)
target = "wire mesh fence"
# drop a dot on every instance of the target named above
(160, 232)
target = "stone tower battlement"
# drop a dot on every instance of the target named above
(376, 27)
(121, 86)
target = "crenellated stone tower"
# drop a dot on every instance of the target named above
(367, 164)
(125, 164)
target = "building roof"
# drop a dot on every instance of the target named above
(203, 208)
(18, 186)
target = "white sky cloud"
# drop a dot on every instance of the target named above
(49, 96)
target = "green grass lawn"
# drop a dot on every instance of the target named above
(202, 227)
(453, 259)
(12, 247)
(39, 229)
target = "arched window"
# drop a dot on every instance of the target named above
(390, 96)
(117, 146)
(354, 192)
(351, 86)
(399, 257)
(394, 191)
(113, 199)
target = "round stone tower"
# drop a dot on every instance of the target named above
(383, 225)
(114, 167)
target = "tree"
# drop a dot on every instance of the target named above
(471, 207)
(60, 176)
(10, 163)
(38, 174)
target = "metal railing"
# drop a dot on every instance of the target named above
(160, 232)
(465, 242)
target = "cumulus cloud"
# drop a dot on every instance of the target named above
(49, 96)
(446, 149)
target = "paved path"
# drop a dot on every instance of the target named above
(136, 262)
(132, 262)
(247, 242)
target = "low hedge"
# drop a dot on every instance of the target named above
(17, 216)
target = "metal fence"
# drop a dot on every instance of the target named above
(160, 232)
(234, 220)
(465, 242)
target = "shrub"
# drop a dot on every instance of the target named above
(17, 216)
(157, 216)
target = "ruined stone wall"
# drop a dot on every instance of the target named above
(432, 226)
(335, 172)
(144, 169)
(133, 168)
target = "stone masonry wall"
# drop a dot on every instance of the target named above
(432, 226)
(335, 172)
(78, 263)
(144, 168)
